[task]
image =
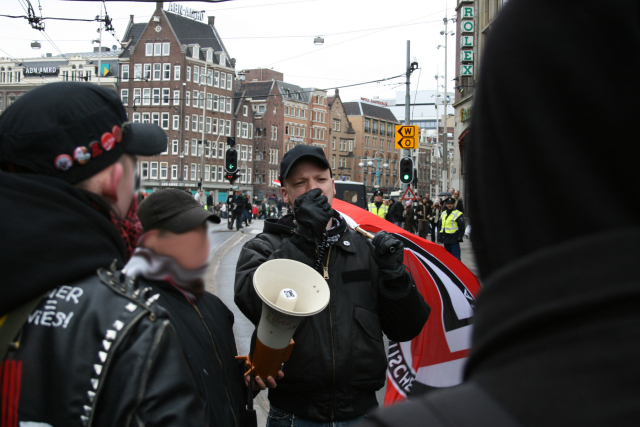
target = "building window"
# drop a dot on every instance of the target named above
(214, 149)
(188, 74)
(245, 111)
(166, 72)
(176, 97)
(124, 95)
(209, 101)
(136, 117)
(166, 96)
(201, 127)
(157, 49)
(228, 128)
(174, 171)
(223, 80)
(367, 125)
(229, 86)
(156, 96)
(176, 72)
(186, 127)
(196, 74)
(336, 125)
(187, 100)
(261, 109)
(144, 170)
(165, 121)
(186, 172)
(207, 172)
(146, 118)
(208, 129)
(194, 123)
(146, 96)
(186, 148)
(163, 170)
(216, 78)
(166, 48)
(175, 144)
(137, 72)
(214, 126)
(157, 68)
(154, 170)
(193, 171)
(375, 127)
(155, 118)
(124, 74)
(195, 98)
(229, 105)
(209, 78)
(220, 173)
(216, 98)
(147, 72)
(148, 49)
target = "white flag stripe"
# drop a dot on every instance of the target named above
(459, 339)
(445, 374)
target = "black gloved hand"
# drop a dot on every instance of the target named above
(312, 212)
(388, 253)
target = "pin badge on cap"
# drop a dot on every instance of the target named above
(95, 149)
(117, 133)
(108, 141)
(63, 162)
(82, 155)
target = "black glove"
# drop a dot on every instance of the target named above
(388, 253)
(312, 212)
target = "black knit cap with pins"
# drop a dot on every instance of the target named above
(71, 131)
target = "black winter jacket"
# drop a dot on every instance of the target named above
(338, 361)
(97, 351)
(395, 212)
(205, 332)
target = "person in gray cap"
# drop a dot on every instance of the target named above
(338, 361)
(80, 344)
(172, 258)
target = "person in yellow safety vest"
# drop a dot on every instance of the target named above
(451, 228)
(377, 207)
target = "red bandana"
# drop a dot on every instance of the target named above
(130, 228)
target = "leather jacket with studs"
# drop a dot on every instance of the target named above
(100, 352)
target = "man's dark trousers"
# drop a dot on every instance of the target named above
(453, 249)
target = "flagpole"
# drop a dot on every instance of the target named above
(100, 47)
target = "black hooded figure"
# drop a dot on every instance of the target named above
(557, 324)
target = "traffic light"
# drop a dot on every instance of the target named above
(231, 161)
(406, 170)
(415, 177)
(231, 176)
(231, 141)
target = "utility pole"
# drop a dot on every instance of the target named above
(445, 146)
(407, 107)
(100, 46)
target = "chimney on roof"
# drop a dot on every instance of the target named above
(158, 5)
(211, 19)
(131, 19)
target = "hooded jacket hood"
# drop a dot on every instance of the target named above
(52, 235)
(543, 130)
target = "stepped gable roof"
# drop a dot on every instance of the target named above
(258, 90)
(190, 32)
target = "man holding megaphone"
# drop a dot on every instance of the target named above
(338, 360)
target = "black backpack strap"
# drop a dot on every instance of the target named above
(466, 405)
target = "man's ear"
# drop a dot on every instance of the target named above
(149, 238)
(285, 196)
(110, 181)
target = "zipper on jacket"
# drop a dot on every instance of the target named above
(333, 353)
(226, 389)
(326, 266)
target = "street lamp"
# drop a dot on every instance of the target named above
(378, 168)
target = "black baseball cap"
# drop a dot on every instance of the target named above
(297, 153)
(71, 131)
(173, 210)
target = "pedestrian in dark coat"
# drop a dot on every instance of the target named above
(408, 217)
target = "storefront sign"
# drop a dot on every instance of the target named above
(171, 184)
(373, 101)
(296, 139)
(465, 114)
(186, 11)
(38, 71)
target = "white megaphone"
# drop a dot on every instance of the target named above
(290, 291)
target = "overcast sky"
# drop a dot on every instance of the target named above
(364, 40)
